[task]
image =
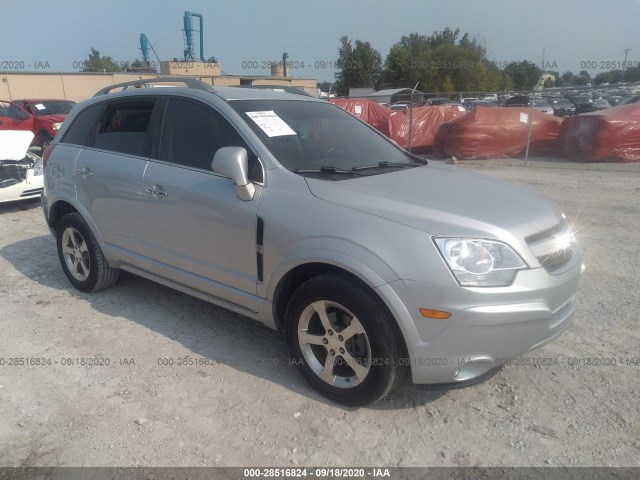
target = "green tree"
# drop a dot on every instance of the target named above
(445, 37)
(325, 86)
(97, 63)
(411, 62)
(582, 78)
(605, 77)
(360, 66)
(567, 79)
(524, 74)
(441, 63)
(632, 74)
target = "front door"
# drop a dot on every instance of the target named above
(199, 232)
(13, 117)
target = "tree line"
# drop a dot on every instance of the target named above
(449, 62)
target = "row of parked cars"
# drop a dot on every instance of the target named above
(26, 123)
(557, 103)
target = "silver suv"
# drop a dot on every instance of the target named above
(288, 210)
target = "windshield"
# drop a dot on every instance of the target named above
(305, 135)
(56, 107)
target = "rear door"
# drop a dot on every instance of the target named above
(199, 232)
(109, 173)
(13, 117)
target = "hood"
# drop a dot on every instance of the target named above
(14, 144)
(444, 200)
(54, 118)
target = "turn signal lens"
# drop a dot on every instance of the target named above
(435, 314)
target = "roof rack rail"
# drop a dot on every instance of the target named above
(188, 81)
(276, 88)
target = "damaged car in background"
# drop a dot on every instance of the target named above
(21, 175)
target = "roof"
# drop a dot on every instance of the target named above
(241, 93)
(360, 92)
(41, 100)
(393, 91)
(225, 93)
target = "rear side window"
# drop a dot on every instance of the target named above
(192, 133)
(124, 126)
(83, 127)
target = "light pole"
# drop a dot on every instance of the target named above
(624, 64)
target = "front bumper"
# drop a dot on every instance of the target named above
(31, 187)
(487, 326)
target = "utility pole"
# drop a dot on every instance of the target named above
(624, 64)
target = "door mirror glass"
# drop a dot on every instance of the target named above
(232, 162)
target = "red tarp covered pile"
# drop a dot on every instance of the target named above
(612, 134)
(498, 133)
(425, 122)
(366, 110)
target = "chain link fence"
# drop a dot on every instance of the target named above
(588, 124)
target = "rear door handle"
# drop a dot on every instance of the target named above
(85, 172)
(156, 191)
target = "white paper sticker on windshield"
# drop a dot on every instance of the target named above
(358, 109)
(271, 124)
(461, 108)
(40, 106)
(524, 118)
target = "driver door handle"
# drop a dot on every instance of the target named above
(85, 172)
(156, 191)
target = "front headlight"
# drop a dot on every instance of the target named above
(56, 126)
(476, 262)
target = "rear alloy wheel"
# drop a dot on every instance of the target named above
(76, 254)
(343, 340)
(81, 256)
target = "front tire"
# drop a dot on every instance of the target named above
(81, 257)
(45, 141)
(343, 340)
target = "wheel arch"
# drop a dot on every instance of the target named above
(42, 134)
(60, 208)
(297, 275)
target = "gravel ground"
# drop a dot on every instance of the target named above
(249, 407)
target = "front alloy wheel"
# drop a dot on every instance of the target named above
(343, 340)
(334, 344)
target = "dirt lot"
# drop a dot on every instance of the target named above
(249, 407)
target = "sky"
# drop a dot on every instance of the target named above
(575, 35)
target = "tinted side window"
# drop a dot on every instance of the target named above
(83, 127)
(11, 111)
(123, 127)
(193, 132)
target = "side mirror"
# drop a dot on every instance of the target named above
(233, 163)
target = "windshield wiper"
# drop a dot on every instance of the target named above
(325, 170)
(385, 165)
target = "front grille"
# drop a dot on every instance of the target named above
(544, 247)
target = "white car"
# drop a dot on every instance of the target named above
(21, 175)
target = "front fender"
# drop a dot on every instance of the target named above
(345, 261)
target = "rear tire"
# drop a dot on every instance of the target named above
(342, 340)
(81, 257)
